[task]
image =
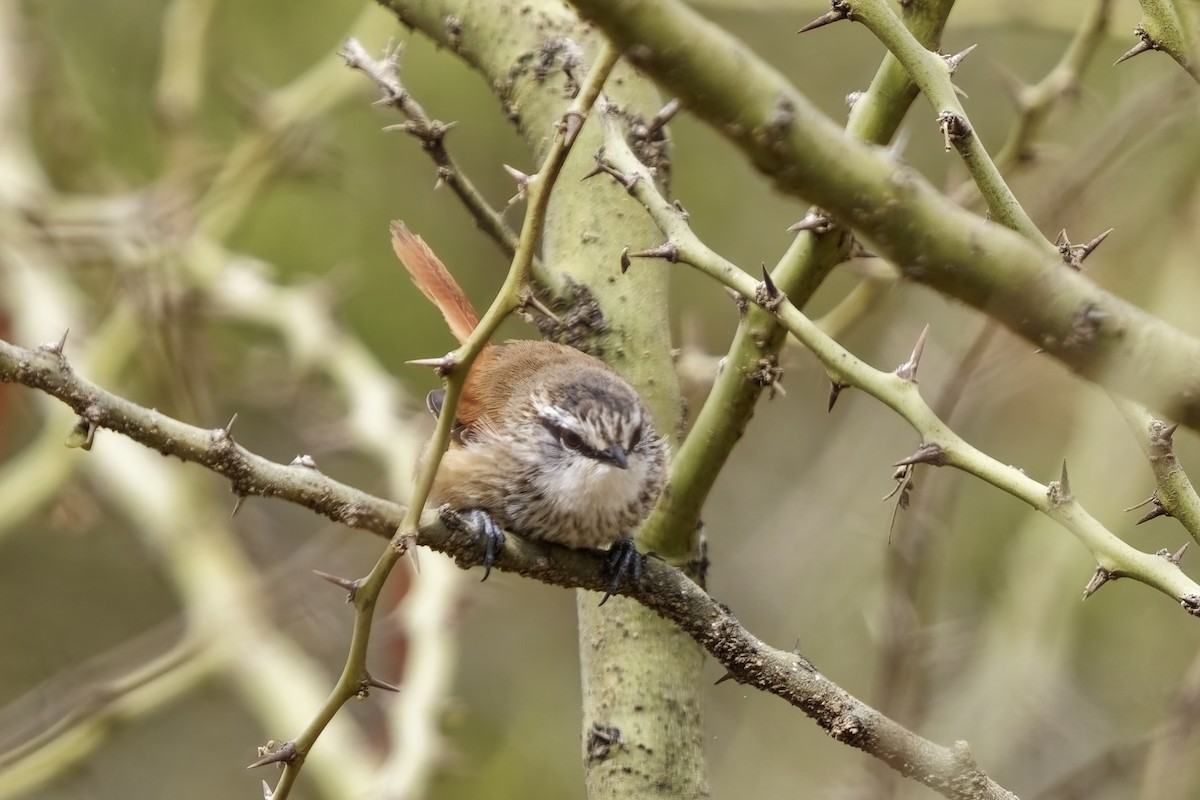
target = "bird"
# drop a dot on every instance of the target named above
(548, 442)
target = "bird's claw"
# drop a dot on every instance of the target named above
(624, 567)
(480, 523)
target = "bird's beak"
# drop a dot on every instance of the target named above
(617, 456)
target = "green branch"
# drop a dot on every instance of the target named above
(933, 241)
(940, 446)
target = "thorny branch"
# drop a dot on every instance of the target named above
(661, 588)
(431, 133)
(940, 445)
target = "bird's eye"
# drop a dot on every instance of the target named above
(570, 439)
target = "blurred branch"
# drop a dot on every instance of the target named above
(931, 240)
(661, 588)
(129, 697)
(1169, 754)
(280, 116)
(1034, 103)
(180, 89)
(940, 446)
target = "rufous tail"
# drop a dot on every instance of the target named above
(434, 280)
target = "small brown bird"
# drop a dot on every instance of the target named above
(549, 443)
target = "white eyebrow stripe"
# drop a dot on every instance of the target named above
(554, 415)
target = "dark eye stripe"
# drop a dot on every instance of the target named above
(573, 441)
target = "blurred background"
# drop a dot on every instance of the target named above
(200, 191)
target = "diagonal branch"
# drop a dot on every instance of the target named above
(663, 589)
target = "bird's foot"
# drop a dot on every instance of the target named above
(624, 567)
(479, 522)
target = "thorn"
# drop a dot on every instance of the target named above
(769, 285)
(445, 175)
(227, 431)
(668, 251)
(959, 92)
(953, 61)
(857, 250)
(1099, 578)
(1059, 491)
(1087, 249)
(928, 453)
(1169, 432)
(902, 477)
(373, 682)
(908, 370)
(520, 177)
(443, 366)
(1074, 254)
(904, 488)
(283, 755)
(1177, 556)
(572, 123)
(56, 348)
(1144, 44)
(839, 12)
(267, 793)
(1159, 510)
(407, 544)
(953, 127)
(726, 677)
(237, 506)
(82, 435)
(767, 294)
(835, 389)
(664, 115)
(522, 180)
(1151, 499)
(530, 300)
(814, 221)
(625, 262)
(350, 586)
(604, 168)
(305, 461)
